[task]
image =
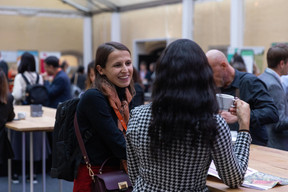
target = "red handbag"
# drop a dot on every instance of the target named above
(103, 182)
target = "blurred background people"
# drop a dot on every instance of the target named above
(238, 63)
(64, 66)
(90, 75)
(79, 78)
(3, 65)
(60, 88)
(138, 98)
(143, 72)
(27, 67)
(78, 81)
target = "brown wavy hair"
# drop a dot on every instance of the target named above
(4, 91)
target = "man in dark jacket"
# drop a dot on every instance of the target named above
(60, 88)
(249, 88)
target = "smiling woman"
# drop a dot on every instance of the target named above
(103, 111)
(119, 68)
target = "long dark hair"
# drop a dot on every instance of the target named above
(4, 91)
(183, 97)
(102, 55)
(27, 63)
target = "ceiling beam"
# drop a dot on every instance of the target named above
(142, 5)
(148, 5)
(77, 6)
(39, 12)
(108, 4)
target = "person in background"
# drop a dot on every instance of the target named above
(90, 75)
(12, 72)
(78, 82)
(248, 88)
(60, 88)
(256, 70)
(239, 66)
(3, 65)
(176, 137)
(277, 60)
(64, 66)
(6, 114)
(27, 67)
(143, 72)
(99, 111)
(79, 78)
(138, 99)
(238, 63)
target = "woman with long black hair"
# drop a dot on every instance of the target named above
(172, 141)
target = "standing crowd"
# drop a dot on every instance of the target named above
(169, 143)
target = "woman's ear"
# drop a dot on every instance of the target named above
(99, 69)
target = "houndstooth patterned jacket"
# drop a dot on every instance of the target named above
(183, 170)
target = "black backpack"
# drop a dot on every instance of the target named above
(36, 93)
(66, 154)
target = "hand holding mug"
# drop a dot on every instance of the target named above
(243, 114)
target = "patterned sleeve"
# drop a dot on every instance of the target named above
(231, 163)
(131, 148)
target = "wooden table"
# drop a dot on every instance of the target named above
(31, 124)
(263, 159)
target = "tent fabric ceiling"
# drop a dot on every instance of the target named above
(99, 6)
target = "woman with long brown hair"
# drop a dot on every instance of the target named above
(6, 114)
(103, 111)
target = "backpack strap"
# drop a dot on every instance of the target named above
(25, 79)
(37, 79)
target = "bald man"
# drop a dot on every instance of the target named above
(249, 88)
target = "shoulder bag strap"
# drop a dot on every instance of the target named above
(82, 147)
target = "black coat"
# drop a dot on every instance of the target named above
(6, 114)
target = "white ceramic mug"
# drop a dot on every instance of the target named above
(225, 101)
(21, 115)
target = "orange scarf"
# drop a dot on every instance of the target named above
(121, 108)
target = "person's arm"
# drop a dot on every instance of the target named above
(132, 158)
(96, 109)
(10, 111)
(17, 88)
(232, 163)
